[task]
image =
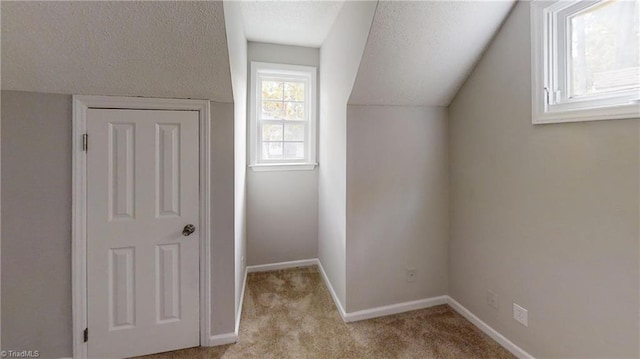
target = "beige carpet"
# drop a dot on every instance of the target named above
(290, 314)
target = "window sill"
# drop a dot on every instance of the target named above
(283, 167)
(589, 114)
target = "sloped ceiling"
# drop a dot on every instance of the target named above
(298, 23)
(420, 52)
(154, 49)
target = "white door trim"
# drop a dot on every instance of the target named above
(79, 202)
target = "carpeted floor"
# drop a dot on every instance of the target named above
(289, 314)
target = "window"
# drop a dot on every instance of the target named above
(283, 117)
(585, 60)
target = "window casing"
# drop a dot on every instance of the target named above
(282, 117)
(574, 74)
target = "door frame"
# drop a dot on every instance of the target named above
(79, 204)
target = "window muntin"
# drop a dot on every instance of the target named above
(283, 116)
(585, 58)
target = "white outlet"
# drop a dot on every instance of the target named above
(242, 261)
(411, 274)
(520, 315)
(492, 299)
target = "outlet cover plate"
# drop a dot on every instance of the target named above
(520, 315)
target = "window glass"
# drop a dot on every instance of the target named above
(294, 111)
(294, 91)
(294, 132)
(272, 90)
(272, 150)
(604, 52)
(293, 150)
(272, 110)
(271, 132)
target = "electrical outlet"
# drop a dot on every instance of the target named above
(411, 274)
(492, 299)
(520, 315)
(242, 261)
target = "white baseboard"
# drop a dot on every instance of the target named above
(239, 314)
(379, 311)
(334, 296)
(421, 304)
(282, 265)
(230, 338)
(395, 309)
(501, 339)
(222, 339)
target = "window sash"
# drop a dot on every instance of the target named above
(283, 123)
(557, 72)
(261, 158)
(560, 29)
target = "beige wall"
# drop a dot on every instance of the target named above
(397, 204)
(282, 216)
(237, 44)
(223, 258)
(36, 223)
(340, 56)
(282, 206)
(36, 232)
(546, 216)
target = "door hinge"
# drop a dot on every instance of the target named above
(85, 142)
(86, 335)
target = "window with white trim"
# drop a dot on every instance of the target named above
(585, 60)
(283, 117)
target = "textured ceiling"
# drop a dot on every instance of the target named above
(420, 53)
(300, 23)
(154, 49)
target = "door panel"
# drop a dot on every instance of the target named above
(142, 273)
(168, 170)
(168, 282)
(120, 168)
(121, 292)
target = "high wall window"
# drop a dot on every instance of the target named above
(586, 60)
(283, 117)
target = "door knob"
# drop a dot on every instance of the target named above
(188, 229)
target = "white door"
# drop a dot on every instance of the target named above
(142, 270)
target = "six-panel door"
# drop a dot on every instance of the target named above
(142, 272)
